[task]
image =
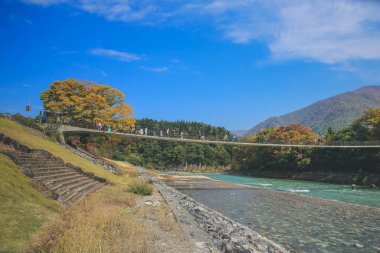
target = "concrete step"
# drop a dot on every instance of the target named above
(68, 187)
(6, 148)
(38, 166)
(47, 172)
(85, 193)
(63, 180)
(38, 161)
(66, 183)
(56, 175)
(22, 155)
(47, 169)
(79, 192)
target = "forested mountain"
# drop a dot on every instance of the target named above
(336, 112)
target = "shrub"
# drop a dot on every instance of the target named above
(118, 156)
(134, 159)
(139, 186)
(26, 121)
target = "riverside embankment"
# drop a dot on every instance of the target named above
(209, 230)
(299, 223)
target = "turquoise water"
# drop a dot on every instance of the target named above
(362, 196)
(308, 225)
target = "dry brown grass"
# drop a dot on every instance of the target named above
(153, 173)
(125, 167)
(174, 176)
(166, 220)
(103, 222)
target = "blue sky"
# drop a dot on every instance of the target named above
(227, 63)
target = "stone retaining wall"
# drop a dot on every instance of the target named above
(228, 236)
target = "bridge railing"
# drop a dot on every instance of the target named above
(318, 142)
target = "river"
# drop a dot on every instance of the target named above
(302, 216)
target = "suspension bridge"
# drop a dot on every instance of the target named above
(65, 130)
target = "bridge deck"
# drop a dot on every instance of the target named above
(70, 129)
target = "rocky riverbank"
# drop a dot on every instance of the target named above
(210, 231)
(299, 223)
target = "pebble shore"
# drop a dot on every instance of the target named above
(210, 231)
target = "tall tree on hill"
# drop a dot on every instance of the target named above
(280, 158)
(85, 103)
(372, 118)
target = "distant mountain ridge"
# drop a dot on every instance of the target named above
(338, 111)
(239, 132)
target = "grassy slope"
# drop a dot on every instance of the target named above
(23, 209)
(32, 140)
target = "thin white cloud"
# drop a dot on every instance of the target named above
(45, 2)
(155, 69)
(123, 10)
(104, 74)
(68, 52)
(117, 55)
(28, 21)
(333, 31)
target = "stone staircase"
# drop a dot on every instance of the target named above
(65, 182)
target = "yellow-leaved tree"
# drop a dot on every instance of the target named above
(85, 103)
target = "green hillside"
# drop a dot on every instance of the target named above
(23, 209)
(338, 111)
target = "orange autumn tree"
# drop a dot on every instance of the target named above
(372, 119)
(86, 103)
(282, 158)
(292, 133)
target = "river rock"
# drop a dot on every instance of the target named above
(54, 195)
(27, 172)
(227, 235)
(148, 203)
